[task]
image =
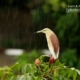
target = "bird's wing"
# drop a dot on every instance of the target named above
(55, 43)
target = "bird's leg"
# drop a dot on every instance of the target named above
(51, 60)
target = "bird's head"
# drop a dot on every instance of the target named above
(45, 30)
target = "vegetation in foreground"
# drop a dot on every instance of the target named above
(42, 71)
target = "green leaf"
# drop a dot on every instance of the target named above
(18, 76)
(29, 77)
(23, 77)
(64, 72)
(78, 71)
(74, 75)
(31, 68)
(24, 69)
(70, 73)
(12, 78)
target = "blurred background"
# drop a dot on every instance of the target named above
(19, 19)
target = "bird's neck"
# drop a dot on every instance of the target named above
(48, 35)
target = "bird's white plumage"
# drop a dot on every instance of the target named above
(57, 53)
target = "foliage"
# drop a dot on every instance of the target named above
(28, 57)
(44, 71)
(68, 26)
(66, 58)
(69, 57)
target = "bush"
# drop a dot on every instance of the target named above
(69, 57)
(43, 71)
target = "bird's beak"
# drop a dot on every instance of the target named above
(39, 31)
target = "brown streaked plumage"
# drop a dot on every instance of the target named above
(52, 40)
(55, 42)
